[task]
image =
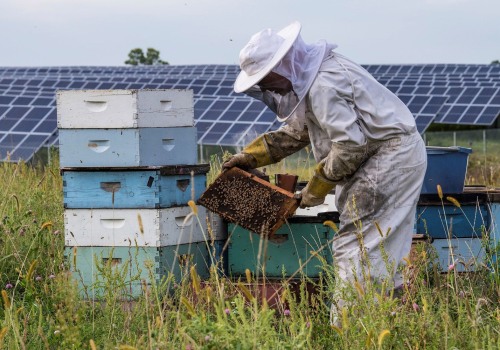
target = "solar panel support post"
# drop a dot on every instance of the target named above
(484, 141)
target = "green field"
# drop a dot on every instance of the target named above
(41, 307)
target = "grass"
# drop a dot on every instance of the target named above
(42, 307)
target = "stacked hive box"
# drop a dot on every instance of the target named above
(299, 248)
(462, 229)
(128, 159)
(458, 230)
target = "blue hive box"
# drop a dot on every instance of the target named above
(449, 221)
(127, 147)
(464, 232)
(446, 166)
(465, 253)
(147, 187)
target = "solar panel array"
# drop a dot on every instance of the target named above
(447, 93)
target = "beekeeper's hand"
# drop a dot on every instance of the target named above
(316, 190)
(254, 155)
(242, 160)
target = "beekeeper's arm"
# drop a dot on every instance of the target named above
(348, 150)
(269, 148)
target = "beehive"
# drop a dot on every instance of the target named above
(129, 227)
(139, 263)
(466, 253)
(460, 234)
(249, 201)
(447, 220)
(443, 219)
(299, 248)
(116, 109)
(129, 162)
(139, 187)
(127, 147)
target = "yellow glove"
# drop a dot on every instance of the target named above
(316, 189)
(243, 161)
(254, 155)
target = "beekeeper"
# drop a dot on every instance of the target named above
(363, 138)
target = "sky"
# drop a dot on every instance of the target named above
(102, 32)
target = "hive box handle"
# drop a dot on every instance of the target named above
(168, 144)
(278, 238)
(98, 146)
(166, 105)
(111, 187)
(112, 223)
(96, 106)
(185, 259)
(183, 184)
(181, 221)
(114, 261)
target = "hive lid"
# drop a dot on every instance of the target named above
(444, 150)
(254, 204)
(179, 169)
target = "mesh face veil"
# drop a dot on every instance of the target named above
(300, 66)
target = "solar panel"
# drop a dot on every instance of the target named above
(435, 93)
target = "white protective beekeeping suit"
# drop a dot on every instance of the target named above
(366, 143)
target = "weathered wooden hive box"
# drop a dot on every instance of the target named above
(127, 147)
(129, 165)
(299, 248)
(136, 264)
(460, 234)
(143, 227)
(120, 109)
(465, 253)
(146, 187)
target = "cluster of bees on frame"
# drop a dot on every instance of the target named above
(250, 204)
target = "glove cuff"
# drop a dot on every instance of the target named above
(259, 150)
(319, 186)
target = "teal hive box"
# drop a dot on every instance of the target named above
(446, 166)
(137, 265)
(290, 252)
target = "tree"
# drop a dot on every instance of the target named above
(496, 62)
(136, 57)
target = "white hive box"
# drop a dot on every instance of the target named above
(101, 109)
(122, 227)
(127, 147)
(327, 206)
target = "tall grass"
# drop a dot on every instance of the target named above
(42, 305)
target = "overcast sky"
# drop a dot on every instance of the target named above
(102, 32)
